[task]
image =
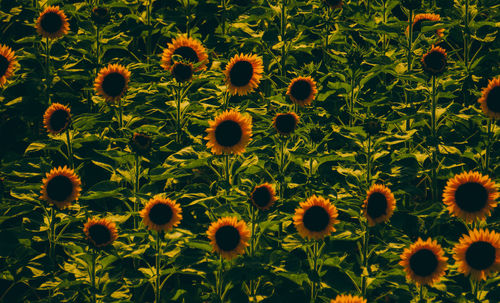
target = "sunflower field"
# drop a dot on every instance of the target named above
(339, 151)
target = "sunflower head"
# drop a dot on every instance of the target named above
(348, 299)
(100, 232)
(182, 72)
(161, 214)
(112, 82)
(57, 118)
(314, 219)
(434, 61)
(302, 90)
(420, 18)
(478, 253)
(411, 4)
(470, 196)
(52, 23)
(7, 63)
(379, 204)
(334, 3)
(490, 99)
(184, 49)
(60, 187)
(243, 74)
(229, 237)
(140, 143)
(372, 126)
(286, 124)
(263, 196)
(424, 262)
(100, 15)
(230, 132)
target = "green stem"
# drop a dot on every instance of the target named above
(188, 17)
(93, 276)
(366, 241)
(52, 244)
(120, 113)
(47, 70)
(227, 172)
(252, 247)
(315, 270)
(351, 101)
(136, 188)
(434, 141)
(178, 114)
(226, 100)
(488, 147)
(368, 161)
(148, 38)
(466, 36)
(282, 166)
(219, 281)
(70, 149)
(223, 16)
(98, 48)
(158, 265)
(283, 38)
(410, 40)
(421, 293)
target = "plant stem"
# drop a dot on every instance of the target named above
(98, 48)
(120, 114)
(421, 293)
(47, 70)
(52, 244)
(136, 188)
(219, 281)
(434, 142)
(252, 246)
(282, 166)
(283, 38)
(488, 147)
(226, 167)
(188, 16)
(70, 149)
(351, 100)
(315, 270)
(178, 114)
(223, 16)
(409, 66)
(148, 38)
(93, 276)
(158, 265)
(366, 241)
(368, 161)
(466, 36)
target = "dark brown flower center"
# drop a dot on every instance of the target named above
(301, 90)
(377, 205)
(113, 84)
(316, 218)
(228, 133)
(51, 22)
(261, 196)
(160, 213)
(241, 73)
(435, 62)
(227, 238)
(59, 120)
(471, 197)
(142, 141)
(182, 72)
(187, 54)
(100, 234)
(492, 100)
(423, 262)
(480, 255)
(100, 15)
(372, 126)
(4, 65)
(59, 188)
(285, 123)
(334, 3)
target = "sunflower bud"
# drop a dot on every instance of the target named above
(372, 126)
(100, 15)
(140, 143)
(316, 135)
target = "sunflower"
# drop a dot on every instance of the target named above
(348, 299)
(52, 23)
(243, 74)
(478, 254)
(7, 63)
(286, 124)
(61, 186)
(372, 126)
(490, 99)
(434, 61)
(315, 218)
(419, 18)
(230, 132)
(100, 15)
(56, 118)
(161, 214)
(100, 232)
(470, 196)
(188, 49)
(229, 237)
(263, 196)
(379, 204)
(424, 262)
(140, 143)
(334, 3)
(182, 72)
(302, 90)
(112, 82)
